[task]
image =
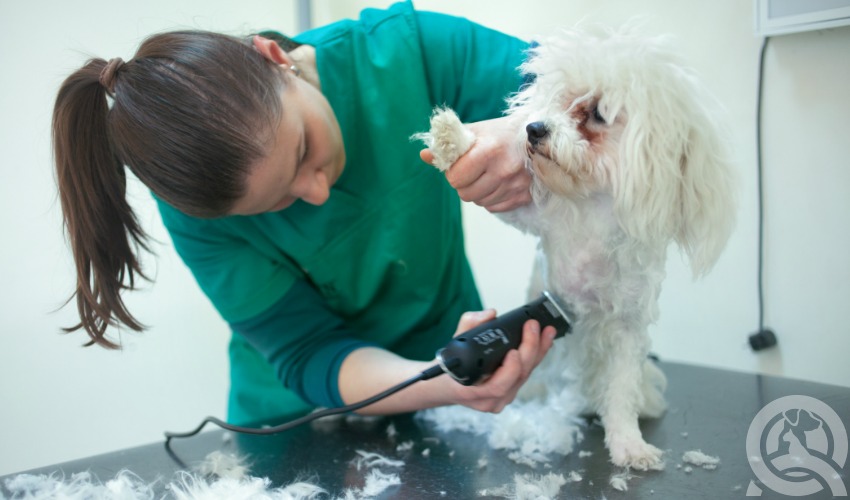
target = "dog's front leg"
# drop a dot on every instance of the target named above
(619, 397)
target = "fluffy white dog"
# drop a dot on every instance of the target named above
(625, 158)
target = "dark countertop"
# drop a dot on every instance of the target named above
(713, 407)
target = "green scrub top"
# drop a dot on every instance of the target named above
(382, 262)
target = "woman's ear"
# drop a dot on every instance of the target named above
(271, 50)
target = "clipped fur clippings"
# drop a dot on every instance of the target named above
(700, 459)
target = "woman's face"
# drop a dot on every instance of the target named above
(305, 154)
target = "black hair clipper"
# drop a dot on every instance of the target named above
(478, 352)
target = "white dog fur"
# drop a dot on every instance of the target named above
(625, 157)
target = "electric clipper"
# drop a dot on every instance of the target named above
(480, 351)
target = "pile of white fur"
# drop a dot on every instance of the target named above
(220, 476)
(546, 421)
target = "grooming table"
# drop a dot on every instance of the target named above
(709, 410)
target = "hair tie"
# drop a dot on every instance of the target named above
(107, 75)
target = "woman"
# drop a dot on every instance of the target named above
(286, 178)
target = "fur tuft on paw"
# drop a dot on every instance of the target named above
(448, 139)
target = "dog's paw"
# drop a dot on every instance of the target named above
(448, 138)
(636, 454)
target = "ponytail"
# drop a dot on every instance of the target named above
(103, 231)
(191, 113)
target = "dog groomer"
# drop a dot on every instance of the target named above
(288, 182)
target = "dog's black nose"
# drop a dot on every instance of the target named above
(536, 131)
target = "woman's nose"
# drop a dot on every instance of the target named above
(317, 190)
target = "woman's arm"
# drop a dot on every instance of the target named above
(369, 371)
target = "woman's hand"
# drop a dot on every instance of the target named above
(370, 370)
(500, 389)
(492, 173)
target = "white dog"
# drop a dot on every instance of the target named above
(625, 158)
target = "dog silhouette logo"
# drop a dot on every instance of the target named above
(797, 446)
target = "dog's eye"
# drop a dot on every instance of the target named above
(597, 116)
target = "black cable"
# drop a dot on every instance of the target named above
(759, 98)
(425, 375)
(763, 338)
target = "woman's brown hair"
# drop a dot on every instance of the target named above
(191, 112)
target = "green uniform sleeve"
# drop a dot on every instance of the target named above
(307, 364)
(470, 68)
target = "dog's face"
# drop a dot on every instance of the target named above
(593, 89)
(617, 113)
(573, 144)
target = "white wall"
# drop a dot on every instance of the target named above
(62, 402)
(59, 401)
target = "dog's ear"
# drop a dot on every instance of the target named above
(707, 195)
(674, 180)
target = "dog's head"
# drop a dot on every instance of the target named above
(615, 112)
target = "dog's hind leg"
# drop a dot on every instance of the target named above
(653, 385)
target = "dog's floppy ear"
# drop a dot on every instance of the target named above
(674, 180)
(706, 195)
